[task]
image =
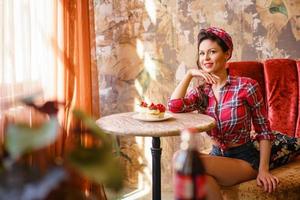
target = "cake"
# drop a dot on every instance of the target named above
(153, 111)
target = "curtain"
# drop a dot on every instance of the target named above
(28, 59)
(80, 91)
(27, 56)
(80, 78)
(45, 50)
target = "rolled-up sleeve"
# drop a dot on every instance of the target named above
(259, 114)
(194, 100)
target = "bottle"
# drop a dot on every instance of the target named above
(189, 177)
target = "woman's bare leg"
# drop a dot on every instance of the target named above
(223, 171)
(212, 189)
(228, 171)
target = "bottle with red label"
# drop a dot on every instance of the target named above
(189, 178)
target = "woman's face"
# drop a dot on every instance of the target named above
(212, 59)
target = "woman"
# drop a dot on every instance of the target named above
(233, 102)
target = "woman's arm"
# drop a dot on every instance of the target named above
(180, 90)
(195, 99)
(265, 150)
(264, 136)
(264, 177)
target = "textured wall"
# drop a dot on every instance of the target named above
(144, 47)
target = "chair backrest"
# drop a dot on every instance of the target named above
(251, 69)
(297, 133)
(281, 79)
(280, 85)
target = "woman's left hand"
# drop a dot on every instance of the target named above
(266, 180)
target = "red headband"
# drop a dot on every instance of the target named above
(223, 35)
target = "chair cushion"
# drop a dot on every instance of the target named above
(288, 188)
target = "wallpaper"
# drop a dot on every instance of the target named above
(144, 47)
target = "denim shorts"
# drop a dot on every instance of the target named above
(246, 152)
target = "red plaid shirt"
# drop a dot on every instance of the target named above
(240, 102)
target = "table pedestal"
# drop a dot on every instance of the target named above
(156, 178)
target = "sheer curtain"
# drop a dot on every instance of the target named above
(30, 34)
(45, 48)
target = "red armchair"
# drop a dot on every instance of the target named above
(280, 84)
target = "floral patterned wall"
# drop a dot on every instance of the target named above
(145, 46)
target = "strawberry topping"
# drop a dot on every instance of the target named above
(144, 104)
(153, 106)
(161, 107)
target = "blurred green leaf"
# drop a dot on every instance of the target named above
(49, 107)
(117, 149)
(116, 146)
(124, 155)
(99, 165)
(90, 156)
(20, 138)
(93, 127)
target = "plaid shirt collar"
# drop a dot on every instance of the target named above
(229, 81)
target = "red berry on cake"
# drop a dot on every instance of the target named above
(152, 106)
(143, 104)
(153, 111)
(161, 107)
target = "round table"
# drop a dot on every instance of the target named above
(124, 124)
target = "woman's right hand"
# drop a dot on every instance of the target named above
(181, 88)
(207, 77)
